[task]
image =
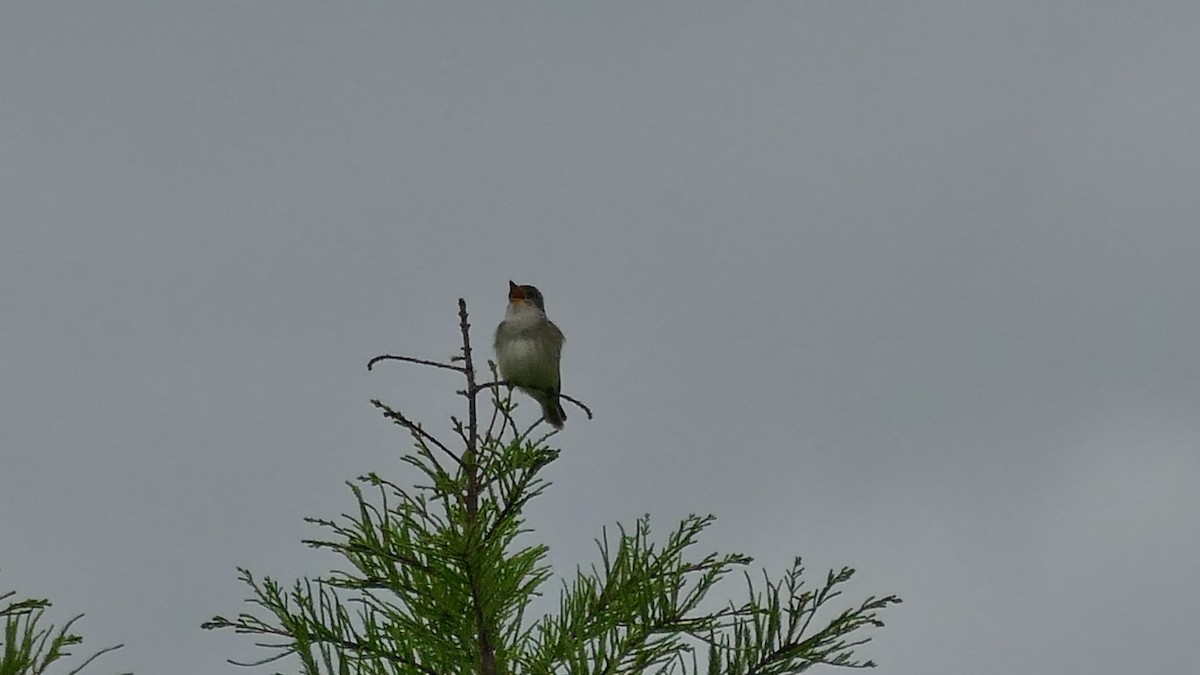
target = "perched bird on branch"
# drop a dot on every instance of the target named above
(528, 348)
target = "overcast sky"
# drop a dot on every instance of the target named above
(905, 286)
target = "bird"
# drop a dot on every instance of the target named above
(528, 349)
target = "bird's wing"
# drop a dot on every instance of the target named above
(556, 345)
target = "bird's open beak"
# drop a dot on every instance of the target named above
(515, 294)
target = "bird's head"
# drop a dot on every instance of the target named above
(525, 294)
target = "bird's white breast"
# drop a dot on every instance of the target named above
(520, 359)
(524, 359)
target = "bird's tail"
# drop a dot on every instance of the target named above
(553, 412)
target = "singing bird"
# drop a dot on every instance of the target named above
(528, 347)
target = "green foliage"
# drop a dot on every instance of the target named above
(28, 647)
(437, 581)
(421, 579)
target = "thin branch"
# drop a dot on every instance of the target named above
(491, 428)
(291, 648)
(459, 429)
(95, 656)
(524, 435)
(399, 418)
(503, 383)
(379, 551)
(261, 662)
(486, 385)
(546, 436)
(582, 407)
(409, 359)
(483, 635)
(497, 407)
(468, 369)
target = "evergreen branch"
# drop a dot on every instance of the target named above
(322, 624)
(770, 633)
(631, 613)
(28, 648)
(434, 583)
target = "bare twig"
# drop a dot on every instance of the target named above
(399, 418)
(468, 370)
(503, 383)
(491, 428)
(582, 407)
(409, 359)
(496, 408)
(524, 435)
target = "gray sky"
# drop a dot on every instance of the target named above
(904, 286)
